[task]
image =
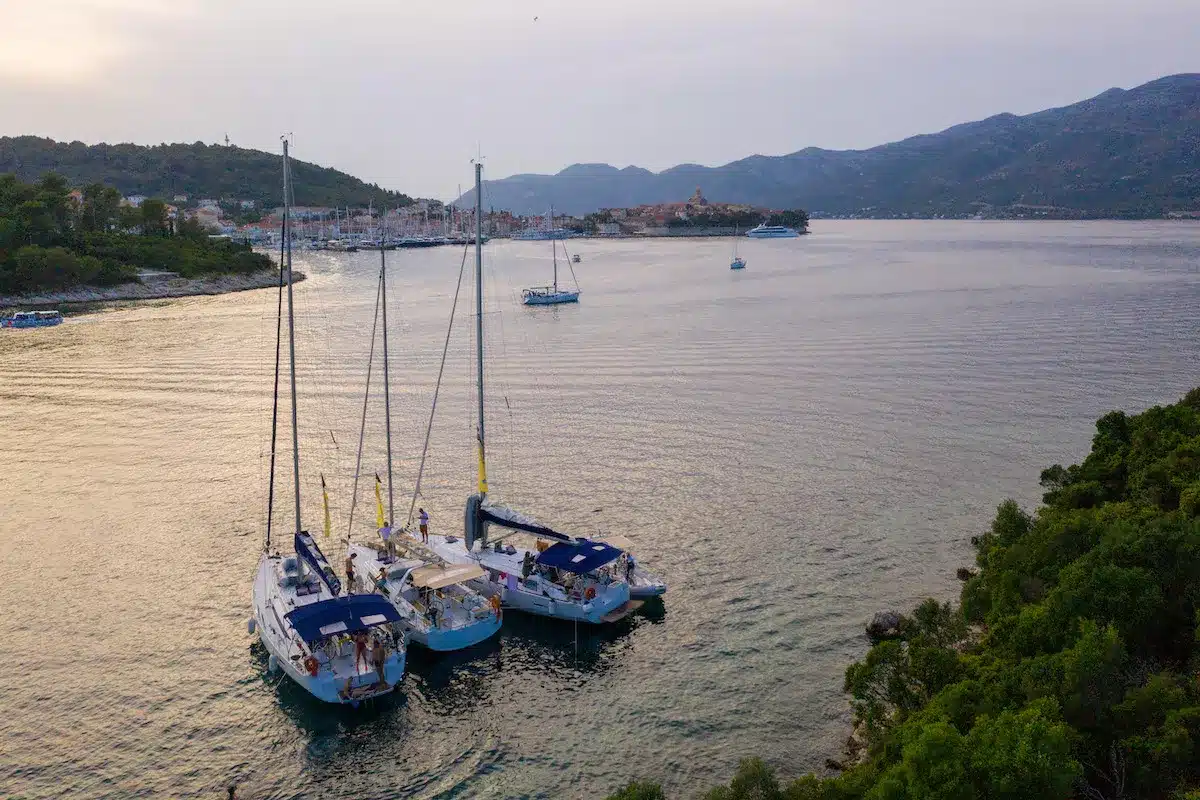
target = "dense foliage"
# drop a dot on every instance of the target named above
(219, 172)
(1071, 669)
(49, 241)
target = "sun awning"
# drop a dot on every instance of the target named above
(439, 577)
(620, 542)
(356, 612)
(578, 557)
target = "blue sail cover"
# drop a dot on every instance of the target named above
(307, 549)
(355, 612)
(579, 556)
(508, 518)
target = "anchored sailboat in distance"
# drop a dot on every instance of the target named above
(569, 578)
(552, 295)
(738, 262)
(300, 618)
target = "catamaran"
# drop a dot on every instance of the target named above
(437, 607)
(565, 577)
(342, 649)
(552, 295)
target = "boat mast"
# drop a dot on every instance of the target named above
(287, 247)
(483, 487)
(554, 249)
(387, 394)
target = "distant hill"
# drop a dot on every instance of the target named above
(1123, 153)
(197, 170)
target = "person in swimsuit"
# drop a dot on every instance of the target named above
(360, 650)
(423, 518)
(350, 572)
(379, 656)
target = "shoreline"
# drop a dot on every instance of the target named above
(133, 292)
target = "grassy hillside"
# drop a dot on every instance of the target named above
(197, 170)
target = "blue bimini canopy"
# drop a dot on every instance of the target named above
(579, 556)
(356, 612)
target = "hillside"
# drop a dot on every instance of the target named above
(197, 170)
(1123, 153)
(1070, 667)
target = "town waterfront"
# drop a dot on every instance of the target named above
(794, 447)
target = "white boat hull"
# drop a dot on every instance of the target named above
(549, 298)
(344, 686)
(466, 628)
(531, 596)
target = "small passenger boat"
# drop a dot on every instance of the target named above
(32, 319)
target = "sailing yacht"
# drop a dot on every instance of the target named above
(552, 295)
(565, 577)
(315, 635)
(437, 607)
(738, 262)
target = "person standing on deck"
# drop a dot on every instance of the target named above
(350, 572)
(360, 650)
(423, 518)
(379, 657)
(386, 534)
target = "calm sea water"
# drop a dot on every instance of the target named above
(794, 447)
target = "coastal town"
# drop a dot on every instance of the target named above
(431, 222)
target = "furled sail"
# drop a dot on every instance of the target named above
(307, 549)
(510, 518)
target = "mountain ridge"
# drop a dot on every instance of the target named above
(1122, 153)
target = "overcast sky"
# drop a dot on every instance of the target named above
(405, 93)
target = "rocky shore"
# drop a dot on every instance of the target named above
(155, 290)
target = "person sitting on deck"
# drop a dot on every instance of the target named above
(381, 581)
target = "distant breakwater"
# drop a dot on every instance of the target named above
(152, 290)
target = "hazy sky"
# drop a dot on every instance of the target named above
(404, 92)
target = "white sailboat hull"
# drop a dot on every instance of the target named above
(458, 627)
(535, 595)
(338, 681)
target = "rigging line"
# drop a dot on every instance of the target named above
(275, 401)
(572, 268)
(362, 431)
(437, 389)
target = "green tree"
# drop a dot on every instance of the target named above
(1016, 756)
(154, 221)
(636, 790)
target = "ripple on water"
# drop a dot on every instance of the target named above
(793, 448)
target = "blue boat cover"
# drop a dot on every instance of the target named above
(508, 518)
(579, 556)
(307, 549)
(355, 612)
